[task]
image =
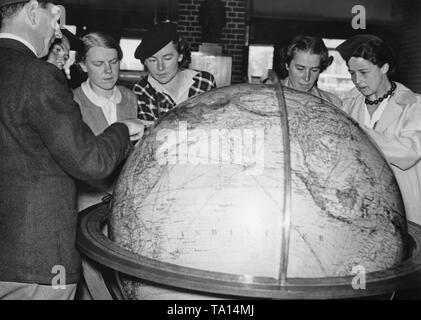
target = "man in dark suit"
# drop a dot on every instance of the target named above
(44, 145)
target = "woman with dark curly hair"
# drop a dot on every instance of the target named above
(389, 113)
(167, 56)
(304, 59)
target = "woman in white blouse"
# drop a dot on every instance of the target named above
(101, 101)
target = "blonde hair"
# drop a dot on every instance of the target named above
(98, 39)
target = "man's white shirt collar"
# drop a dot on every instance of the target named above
(5, 35)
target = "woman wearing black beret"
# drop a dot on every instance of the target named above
(170, 82)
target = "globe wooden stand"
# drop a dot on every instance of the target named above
(96, 247)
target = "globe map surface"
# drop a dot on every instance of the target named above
(205, 189)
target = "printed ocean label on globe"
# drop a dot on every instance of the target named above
(205, 189)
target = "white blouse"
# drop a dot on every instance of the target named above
(372, 121)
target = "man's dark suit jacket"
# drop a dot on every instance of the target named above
(44, 145)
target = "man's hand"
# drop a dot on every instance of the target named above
(147, 123)
(136, 128)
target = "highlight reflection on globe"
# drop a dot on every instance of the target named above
(206, 189)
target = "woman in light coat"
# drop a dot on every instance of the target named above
(388, 111)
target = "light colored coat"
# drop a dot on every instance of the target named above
(398, 135)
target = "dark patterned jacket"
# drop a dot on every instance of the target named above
(44, 145)
(152, 104)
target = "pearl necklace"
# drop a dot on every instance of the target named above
(387, 94)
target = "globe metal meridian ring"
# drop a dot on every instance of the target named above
(94, 244)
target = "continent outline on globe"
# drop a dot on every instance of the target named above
(173, 212)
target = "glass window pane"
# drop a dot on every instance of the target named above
(335, 78)
(129, 62)
(260, 61)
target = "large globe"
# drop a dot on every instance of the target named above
(234, 182)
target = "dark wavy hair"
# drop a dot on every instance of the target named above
(311, 44)
(98, 39)
(183, 48)
(378, 53)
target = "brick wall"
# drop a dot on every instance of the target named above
(233, 35)
(409, 67)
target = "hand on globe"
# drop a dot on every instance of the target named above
(147, 123)
(136, 128)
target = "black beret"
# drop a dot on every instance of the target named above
(155, 39)
(348, 48)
